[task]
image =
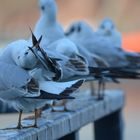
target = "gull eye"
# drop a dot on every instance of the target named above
(72, 29)
(79, 29)
(26, 53)
(42, 8)
(102, 27)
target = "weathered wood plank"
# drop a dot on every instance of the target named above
(57, 125)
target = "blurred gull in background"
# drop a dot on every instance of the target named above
(47, 25)
(98, 45)
(101, 46)
(108, 29)
(63, 45)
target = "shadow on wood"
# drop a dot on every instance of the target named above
(109, 127)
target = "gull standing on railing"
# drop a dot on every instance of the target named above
(20, 90)
(21, 55)
(53, 39)
(83, 35)
(62, 45)
(107, 28)
(80, 32)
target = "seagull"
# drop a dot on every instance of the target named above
(47, 25)
(110, 57)
(74, 61)
(21, 91)
(14, 82)
(70, 66)
(68, 70)
(101, 46)
(21, 54)
(98, 62)
(10, 54)
(53, 39)
(93, 59)
(87, 31)
(108, 29)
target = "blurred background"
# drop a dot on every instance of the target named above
(16, 17)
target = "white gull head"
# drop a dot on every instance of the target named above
(48, 8)
(80, 29)
(107, 27)
(22, 55)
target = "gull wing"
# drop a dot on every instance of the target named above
(78, 64)
(63, 88)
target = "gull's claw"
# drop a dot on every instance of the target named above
(31, 126)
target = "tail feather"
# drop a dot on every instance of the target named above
(79, 64)
(116, 72)
(133, 58)
(122, 76)
(96, 70)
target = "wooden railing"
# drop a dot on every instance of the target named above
(105, 114)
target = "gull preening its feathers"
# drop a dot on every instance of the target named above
(52, 64)
(15, 89)
(19, 88)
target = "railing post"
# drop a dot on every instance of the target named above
(110, 127)
(72, 136)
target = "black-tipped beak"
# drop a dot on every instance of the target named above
(34, 40)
